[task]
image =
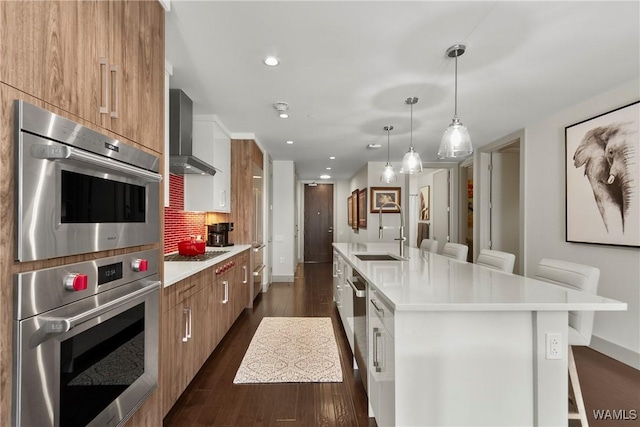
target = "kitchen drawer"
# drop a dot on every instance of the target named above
(381, 309)
(175, 294)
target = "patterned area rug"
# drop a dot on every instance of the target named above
(291, 350)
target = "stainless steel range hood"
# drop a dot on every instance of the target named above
(181, 158)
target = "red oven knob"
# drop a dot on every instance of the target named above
(140, 265)
(75, 282)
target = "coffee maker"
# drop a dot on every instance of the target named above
(218, 234)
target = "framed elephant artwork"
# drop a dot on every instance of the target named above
(603, 178)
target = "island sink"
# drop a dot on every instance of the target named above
(379, 257)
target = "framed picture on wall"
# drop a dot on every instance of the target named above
(381, 195)
(350, 211)
(362, 208)
(603, 177)
(425, 207)
(354, 209)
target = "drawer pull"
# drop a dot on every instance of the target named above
(380, 310)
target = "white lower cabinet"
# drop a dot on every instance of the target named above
(337, 276)
(381, 360)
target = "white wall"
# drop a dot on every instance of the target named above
(615, 333)
(284, 209)
(359, 181)
(367, 177)
(342, 231)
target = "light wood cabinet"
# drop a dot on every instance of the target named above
(197, 314)
(181, 353)
(101, 61)
(247, 206)
(211, 144)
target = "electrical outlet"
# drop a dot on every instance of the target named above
(281, 260)
(554, 346)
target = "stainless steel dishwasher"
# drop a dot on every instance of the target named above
(359, 288)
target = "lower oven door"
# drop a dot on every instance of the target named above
(92, 362)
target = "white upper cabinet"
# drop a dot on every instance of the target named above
(212, 144)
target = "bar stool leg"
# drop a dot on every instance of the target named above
(577, 392)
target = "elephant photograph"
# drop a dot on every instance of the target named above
(602, 178)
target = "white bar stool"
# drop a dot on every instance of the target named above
(497, 260)
(580, 278)
(429, 245)
(455, 251)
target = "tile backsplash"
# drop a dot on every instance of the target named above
(180, 224)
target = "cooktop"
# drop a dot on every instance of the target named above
(202, 257)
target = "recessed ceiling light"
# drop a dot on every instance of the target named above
(328, 169)
(290, 142)
(325, 176)
(374, 146)
(332, 158)
(271, 61)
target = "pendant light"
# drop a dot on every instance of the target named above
(456, 141)
(411, 162)
(388, 174)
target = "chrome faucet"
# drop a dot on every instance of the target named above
(401, 238)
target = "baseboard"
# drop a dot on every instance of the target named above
(615, 351)
(282, 278)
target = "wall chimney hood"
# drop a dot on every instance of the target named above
(181, 158)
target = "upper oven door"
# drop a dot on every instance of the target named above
(72, 201)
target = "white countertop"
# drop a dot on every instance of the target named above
(431, 282)
(174, 271)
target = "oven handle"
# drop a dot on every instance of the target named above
(58, 325)
(62, 152)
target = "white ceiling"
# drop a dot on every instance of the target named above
(347, 67)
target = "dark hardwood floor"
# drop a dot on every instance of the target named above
(607, 385)
(213, 400)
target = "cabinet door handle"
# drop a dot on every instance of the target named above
(380, 310)
(190, 318)
(376, 362)
(115, 87)
(245, 278)
(226, 292)
(223, 198)
(185, 318)
(104, 85)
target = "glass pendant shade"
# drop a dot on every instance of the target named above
(388, 174)
(411, 162)
(456, 141)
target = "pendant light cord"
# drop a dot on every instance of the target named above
(455, 103)
(411, 134)
(388, 145)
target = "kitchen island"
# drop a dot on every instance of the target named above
(452, 343)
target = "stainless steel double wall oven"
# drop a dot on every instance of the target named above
(85, 333)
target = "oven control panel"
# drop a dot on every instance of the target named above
(54, 287)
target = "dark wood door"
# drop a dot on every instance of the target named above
(318, 223)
